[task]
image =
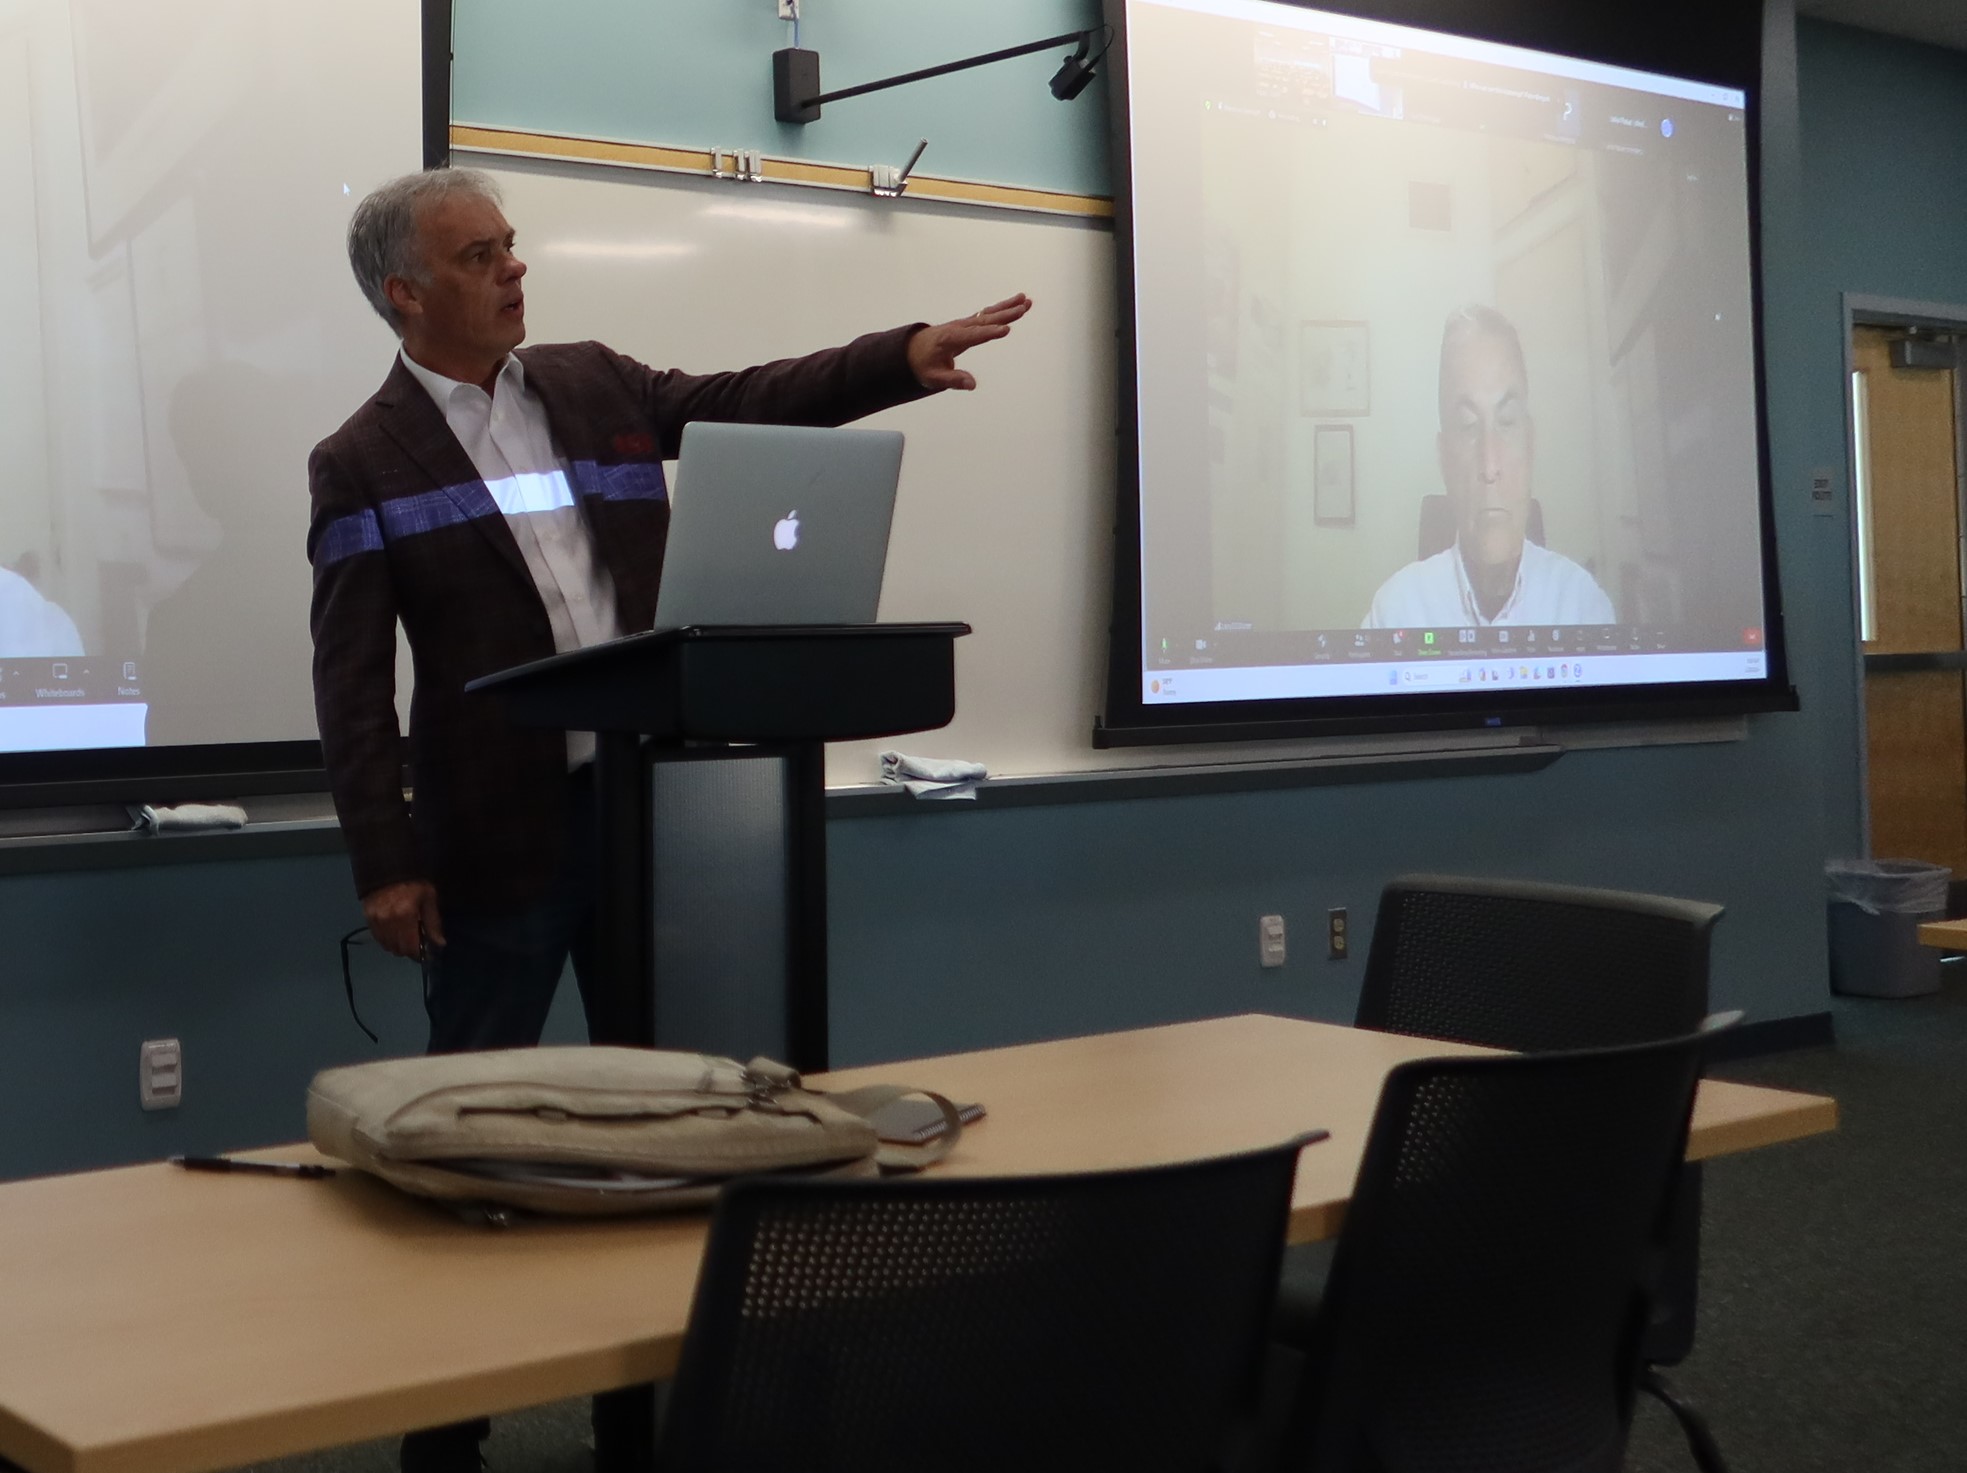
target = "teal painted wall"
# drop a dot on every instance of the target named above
(1884, 132)
(698, 74)
(238, 961)
(962, 928)
(957, 930)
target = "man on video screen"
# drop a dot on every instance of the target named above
(31, 626)
(1494, 573)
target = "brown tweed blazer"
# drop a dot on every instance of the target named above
(403, 530)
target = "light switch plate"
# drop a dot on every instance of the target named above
(1270, 941)
(160, 1074)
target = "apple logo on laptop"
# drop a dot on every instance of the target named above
(785, 532)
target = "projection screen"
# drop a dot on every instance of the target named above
(177, 328)
(1445, 388)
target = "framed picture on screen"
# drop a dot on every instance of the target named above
(1335, 378)
(1331, 484)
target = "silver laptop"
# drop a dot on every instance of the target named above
(778, 524)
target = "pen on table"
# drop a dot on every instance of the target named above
(305, 1169)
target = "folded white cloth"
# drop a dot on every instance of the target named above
(191, 818)
(933, 777)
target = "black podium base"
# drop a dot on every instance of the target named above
(710, 773)
(714, 888)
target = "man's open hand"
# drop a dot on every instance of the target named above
(403, 916)
(933, 351)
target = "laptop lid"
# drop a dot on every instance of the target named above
(778, 524)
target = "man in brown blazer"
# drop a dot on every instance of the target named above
(494, 541)
(502, 506)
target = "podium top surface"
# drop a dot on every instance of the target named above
(631, 647)
(744, 683)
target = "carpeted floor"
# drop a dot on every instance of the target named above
(1833, 1322)
(1834, 1271)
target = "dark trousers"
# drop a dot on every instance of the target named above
(489, 987)
(492, 984)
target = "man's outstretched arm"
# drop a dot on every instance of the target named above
(933, 351)
(831, 387)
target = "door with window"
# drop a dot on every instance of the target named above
(1905, 394)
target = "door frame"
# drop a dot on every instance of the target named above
(1865, 310)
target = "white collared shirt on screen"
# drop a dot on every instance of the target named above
(33, 627)
(1434, 593)
(510, 443)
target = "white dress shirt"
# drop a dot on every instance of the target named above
(32, 627)
(1434, 593)
(510, 444)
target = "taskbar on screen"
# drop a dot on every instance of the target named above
(1229, 644)
(1526, 671)
(71, 704)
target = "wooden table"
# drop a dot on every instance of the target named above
(156, 1320)
(1945, 935)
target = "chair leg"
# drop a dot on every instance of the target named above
(1700, 1441)
(625, 1430)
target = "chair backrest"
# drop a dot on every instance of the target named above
(1034, 1323)
(1438, 530)
(1483, 1310)
(1515, 965)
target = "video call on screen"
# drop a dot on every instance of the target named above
(1446, 363)
(177, 329)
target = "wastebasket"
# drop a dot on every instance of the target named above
(1876, 909)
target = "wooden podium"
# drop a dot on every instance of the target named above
(710, 776)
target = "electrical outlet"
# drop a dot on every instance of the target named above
(1335, 932)
(160, 1074)
(1270, 941)
(788, 9)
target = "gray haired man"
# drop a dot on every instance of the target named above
(503, 504)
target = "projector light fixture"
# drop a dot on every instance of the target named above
(1075, 74)
(796, 95)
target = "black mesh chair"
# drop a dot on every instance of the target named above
(1532, 967)
(1485, 1305)
(1528, 967)
(1111, 1320)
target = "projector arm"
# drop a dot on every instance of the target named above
(796, 97)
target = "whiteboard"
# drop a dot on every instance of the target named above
(1006, 506)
